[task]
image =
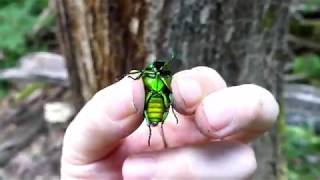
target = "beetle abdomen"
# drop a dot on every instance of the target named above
(155, 109)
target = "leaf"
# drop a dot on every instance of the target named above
(308, 65)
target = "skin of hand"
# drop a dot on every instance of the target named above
(108, 139)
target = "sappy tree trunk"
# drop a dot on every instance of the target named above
(242, 40)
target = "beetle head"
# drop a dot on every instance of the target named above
(161, 65)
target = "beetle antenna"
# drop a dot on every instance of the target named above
(172, 57)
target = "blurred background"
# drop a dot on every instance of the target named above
(36, 100)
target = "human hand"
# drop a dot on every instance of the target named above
(106, 140)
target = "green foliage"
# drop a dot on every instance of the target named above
(3, 88)
(308, 65)
(28, 90)
(304, 30)
(312, 4)
(16, 23)
(300, 144)
(17, 19)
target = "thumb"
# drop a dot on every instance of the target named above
(112, 114)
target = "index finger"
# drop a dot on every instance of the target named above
(191, 86)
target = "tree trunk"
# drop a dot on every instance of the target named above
(242, 40)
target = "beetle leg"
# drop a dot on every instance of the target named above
(163, 137)
(150, 132)
(174, 113)
(135, 78)
(165, 114)
(149, 126)
(131, 72)
(166, 100)
(135, 72)
(167, 103)
(167, 82)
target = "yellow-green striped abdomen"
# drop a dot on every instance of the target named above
(155, 109)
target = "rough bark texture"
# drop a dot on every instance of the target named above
(243, 40)
(98, 42)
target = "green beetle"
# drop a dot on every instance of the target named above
(158, 98)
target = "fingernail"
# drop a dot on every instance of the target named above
(140, 167)
(190, 91)
(217, 117)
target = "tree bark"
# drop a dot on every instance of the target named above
(242, 40)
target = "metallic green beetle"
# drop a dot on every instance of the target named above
(158, 98)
